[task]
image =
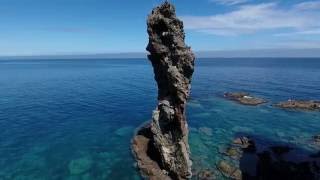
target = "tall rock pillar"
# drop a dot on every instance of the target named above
(173, 65)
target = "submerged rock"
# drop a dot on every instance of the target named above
(244, 98)
(229, 170)
(233, 152)
(80, 166)
(161, 149)
(299, 104)
(206, 175)
(123, 131)
(245, 143)
(205, 131)
(316, 139)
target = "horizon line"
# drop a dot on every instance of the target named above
(241, 53)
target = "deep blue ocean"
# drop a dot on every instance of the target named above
(74, 119)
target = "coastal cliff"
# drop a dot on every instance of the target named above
(161, 147)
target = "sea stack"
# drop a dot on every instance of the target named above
(161, 147)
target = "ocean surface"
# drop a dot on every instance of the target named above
(74, 119)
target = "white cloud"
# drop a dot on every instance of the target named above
(309, 5)
(229, 2)
(249, 19)
(307, 32)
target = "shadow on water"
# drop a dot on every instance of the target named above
(268, 159)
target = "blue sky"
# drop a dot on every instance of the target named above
(41, 27)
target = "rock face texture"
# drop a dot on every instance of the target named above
(164, 143)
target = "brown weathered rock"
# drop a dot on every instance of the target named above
(245, 143)
(206, 175)
(233, 152)
(298, 104)
(229, 170)
(173, 64)
(244, 98)
(142, 149)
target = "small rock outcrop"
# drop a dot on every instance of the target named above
(299, 104)
(161, 148)
(244, 98)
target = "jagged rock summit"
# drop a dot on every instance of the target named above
(161, 147)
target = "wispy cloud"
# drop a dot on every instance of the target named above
(297, 33)
(309, 5)
(229, 2)
(247, 19)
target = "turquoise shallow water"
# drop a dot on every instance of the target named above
(73, 119)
